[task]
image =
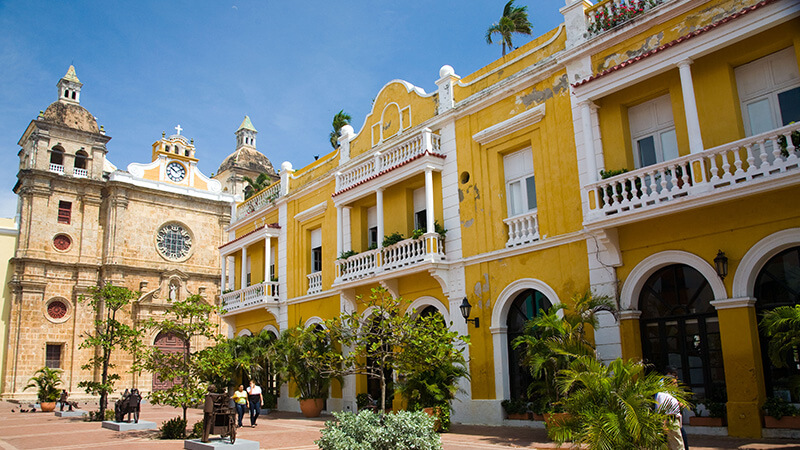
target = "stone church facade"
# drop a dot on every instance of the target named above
(154, 228)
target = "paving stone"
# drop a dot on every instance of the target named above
(129, 426)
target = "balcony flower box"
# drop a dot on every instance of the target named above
(784, 422)
(697, 421)
(519, 416)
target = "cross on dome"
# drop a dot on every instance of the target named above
(178, 129)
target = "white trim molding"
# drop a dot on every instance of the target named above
(271, 328)
(638, 277)
(744, 280)
(499, 329)
(244, 332)
(313, 321)
(420, 304)
(312, 212)
(508, 126)
(731, 303)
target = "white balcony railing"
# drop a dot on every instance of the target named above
(608, 14)
(79, 173)
(522, 229)
(419, 144)
(259, 201)
(428, 248)
(57, 168)
(314, 283)
(257, 294)
(736, 165)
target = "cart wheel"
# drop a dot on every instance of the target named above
(232, 427)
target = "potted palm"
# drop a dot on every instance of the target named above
(301, 354)
(46, 381)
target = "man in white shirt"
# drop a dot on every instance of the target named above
(670, 406)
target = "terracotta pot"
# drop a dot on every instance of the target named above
(696, 421)
(517, 416)
(437, 425)
(48, 406)
(784, 422)
(555, 418)
(311, 407)
(537, 416)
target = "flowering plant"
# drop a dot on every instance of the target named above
(618, 12)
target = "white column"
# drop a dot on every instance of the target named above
(690, 107)
(588, 141)
(379, 213)
(231, 272)
(339, 231)
(223, 261)
(429, 213)
(267, 256)
(243, 283)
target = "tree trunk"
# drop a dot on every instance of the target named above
(383, 391)
(184, 412)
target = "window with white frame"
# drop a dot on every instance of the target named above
(769, 91)
(520, 182)
(372, 227)
(316, 250)
(653, 132)
(420, 213)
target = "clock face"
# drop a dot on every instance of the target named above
(173, 241)
(176, 171)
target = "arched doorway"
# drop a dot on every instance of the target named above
(778, 284)
(679, 328)
(526, 305)
(167, 342)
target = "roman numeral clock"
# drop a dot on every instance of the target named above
(174, 241)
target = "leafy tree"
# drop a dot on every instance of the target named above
(514, 20)
(253, 356)
(782, 326)
(109, 334)
(388, 340)
(551, 343)
(613, 407)
(187, 370)
(261, 182)
(300, 354)
(340, 119)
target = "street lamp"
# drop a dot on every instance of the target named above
(721, 263)
(466, 308)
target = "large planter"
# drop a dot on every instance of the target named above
(555, 418)
(518, 416)
(537, 416)
(697, 421)
(48, 406)
(311, 407)
(784, 422)
(437, 424)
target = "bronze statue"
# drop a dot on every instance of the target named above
(63, 399)
(219, 416)
(129, 404)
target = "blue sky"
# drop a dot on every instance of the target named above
(147, 66)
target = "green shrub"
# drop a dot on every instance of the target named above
(778, 407)
(270, 400)
(94, 416)
(362, 400)
(369, 431)
(173, 429)
(392, 239)
(443, 414)
(197, 430)
(514, 406)
(347, 254)
(416, 234)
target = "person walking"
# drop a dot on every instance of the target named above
(670, 405)
(240, 400)
(254, 398)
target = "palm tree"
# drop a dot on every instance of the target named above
(340, 119)
(254, 186)
(782, 326)
(613, 406)
(514, 20)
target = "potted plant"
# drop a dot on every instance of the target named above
(270, 401)
(300, 353)
(716, 415)
(778, 413)
(46, 382)
(515, 409)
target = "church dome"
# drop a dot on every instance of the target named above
(71, 115)
(247, 158)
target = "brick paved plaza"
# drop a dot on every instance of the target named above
(278, 430)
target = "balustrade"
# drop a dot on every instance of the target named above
(607, 14)
(257, 294)
(57, 168)
(79, 173)
(314, 283)
(259, 201)
(522, 229)
(429, 247)
(736, 165)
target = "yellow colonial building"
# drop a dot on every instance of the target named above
(648, 153)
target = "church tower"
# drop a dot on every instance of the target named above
(246, 161)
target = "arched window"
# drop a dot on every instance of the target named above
(679, 328)
(57, 156)
(80, 159)
(778, 284)
(527, 305)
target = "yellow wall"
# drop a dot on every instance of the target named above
(8, 243)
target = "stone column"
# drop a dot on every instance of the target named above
(690, 107)
(744, 370)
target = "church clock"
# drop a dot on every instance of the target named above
(176, 172)
(173, 241)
